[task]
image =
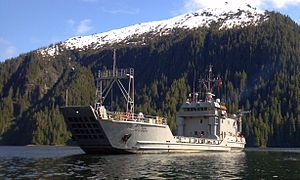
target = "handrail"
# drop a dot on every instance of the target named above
(195, 140)
(120, 73)
(123, 116)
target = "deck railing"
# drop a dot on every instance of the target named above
(122, 116)
(196, 140)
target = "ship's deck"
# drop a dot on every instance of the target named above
(125, 116)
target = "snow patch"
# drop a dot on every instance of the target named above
(228, 17)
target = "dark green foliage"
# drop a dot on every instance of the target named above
(259, 66)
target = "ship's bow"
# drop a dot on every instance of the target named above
(87, 130)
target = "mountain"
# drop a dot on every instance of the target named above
(256, 52)
(227, 17)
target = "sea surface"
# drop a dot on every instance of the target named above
(63, 162)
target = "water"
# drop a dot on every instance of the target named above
(48, 162)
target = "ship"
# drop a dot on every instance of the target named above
(202, 125)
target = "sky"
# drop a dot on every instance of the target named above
(27, 25)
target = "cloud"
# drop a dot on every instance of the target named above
(191, 5)
(8, 50)
(71, 23)
(283, 3)
(84, 26)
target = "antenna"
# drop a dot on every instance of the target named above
(208, 84)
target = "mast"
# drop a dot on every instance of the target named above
(107, 78)
(209, 84)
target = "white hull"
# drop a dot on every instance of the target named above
(114, 136)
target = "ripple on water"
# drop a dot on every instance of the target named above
(249, 165)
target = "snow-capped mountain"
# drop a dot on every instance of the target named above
(228, 16)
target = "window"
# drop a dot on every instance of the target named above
(195, 133)
(201, 121)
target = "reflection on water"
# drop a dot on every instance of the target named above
(69, 162)
(166, 166)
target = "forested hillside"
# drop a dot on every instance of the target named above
(259, 66)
